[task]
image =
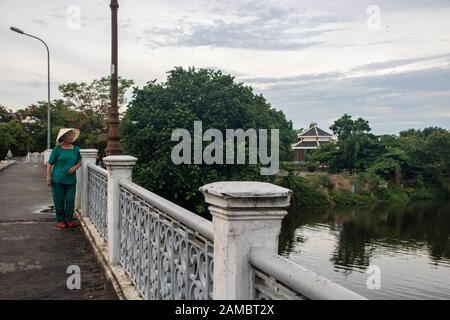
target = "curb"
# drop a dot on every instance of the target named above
(6, 163)
(122, 284)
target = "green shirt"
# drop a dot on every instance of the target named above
(62, 160)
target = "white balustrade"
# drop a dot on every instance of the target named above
(98, 198)
(168, 252)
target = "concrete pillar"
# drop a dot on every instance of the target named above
(245, 214)
(119, 167)
(81, 198)
(79, 188)
(47, 155)
(35, 158)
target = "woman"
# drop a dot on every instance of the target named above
(62, 164)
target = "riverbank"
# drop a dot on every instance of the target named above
(323, 189)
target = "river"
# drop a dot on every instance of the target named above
(409, 245)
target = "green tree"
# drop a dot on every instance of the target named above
(84, 106)
(61, 116)
(189, 95)
(5, 114)
(92, 101)
(438, 150)
(345, 127)
(356, 147)
(12, 136)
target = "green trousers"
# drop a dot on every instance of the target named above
(64, 200)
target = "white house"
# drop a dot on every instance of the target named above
(312, 138)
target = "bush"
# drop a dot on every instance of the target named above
(343, 198)
(430, 192)
(293, 166)
(378, 185)
(398, 196)
(312, 167)
(303, 193)
(348, 198)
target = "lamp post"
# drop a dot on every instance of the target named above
(113, 147)
(28, 122)
(48, 80)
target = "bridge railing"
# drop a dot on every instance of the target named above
(168, 252)
(97, 180)
(36, 158)
(277, 278)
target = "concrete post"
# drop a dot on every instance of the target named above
(79, 174)
(81, 199)
(119, 167)
(35, 157)
(47, 155)
(245, 214)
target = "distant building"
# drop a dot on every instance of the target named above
(309, 139)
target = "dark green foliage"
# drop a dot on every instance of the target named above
(85, 106)
(312, 166)
(414, 157)
(304, 194)
(12, 136)
(189, 95)
(5, 114)
(343, 198)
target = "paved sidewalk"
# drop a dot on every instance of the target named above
(34, 254)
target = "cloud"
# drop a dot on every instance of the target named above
(314, 59)
(38, 22)
(410, 122)
(391, 101)
(384, 109)
(29, 83)
(237, 35)
(400, 62)
(58, 16)
(298, 79)
(249, 25)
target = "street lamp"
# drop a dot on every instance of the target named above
(28, 121)
(113, 147)
(48, 78)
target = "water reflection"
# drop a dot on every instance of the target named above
(353, 238)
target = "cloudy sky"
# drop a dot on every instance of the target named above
(386, 61)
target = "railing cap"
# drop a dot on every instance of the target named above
(246, 194)
(119, 160)
(303, 281)
(245, 189)
(88, 152)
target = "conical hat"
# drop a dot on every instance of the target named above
(63, 131)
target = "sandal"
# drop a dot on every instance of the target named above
(60, 225)
(71, 224)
